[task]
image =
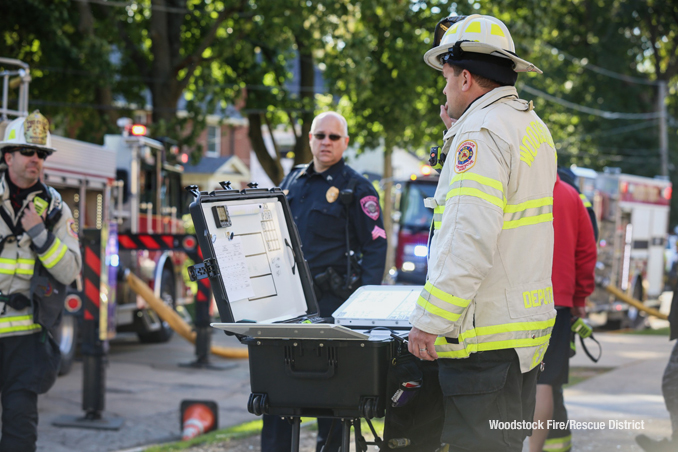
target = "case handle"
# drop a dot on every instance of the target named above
(323, 375)
(294, 262)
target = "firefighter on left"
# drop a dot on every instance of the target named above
(39, 257)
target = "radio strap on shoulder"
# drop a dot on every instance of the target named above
(8, 221)
(346, 196)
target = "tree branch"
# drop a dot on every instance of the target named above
(270, 131)
(193, 60)
(280, 78)
(653, 40)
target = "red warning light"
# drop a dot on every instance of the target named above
(189, 243)
(138, 130)
(184, 158)
(73, 303)
(667, 192)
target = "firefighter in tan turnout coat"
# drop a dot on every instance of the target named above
(487, 307)
(39, 257)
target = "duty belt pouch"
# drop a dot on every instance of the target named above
(415, 423)
(48, 296)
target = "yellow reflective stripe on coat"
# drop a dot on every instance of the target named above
(529, 212)
(562, 444)
(18, 266)
(498, 337)
(480, 179)
(13, 324)
(442, 304)
(490, 190)
(438, 217)
(468, 191)
(586, 202)
(25, 266)
(528, 221)
(54, 254)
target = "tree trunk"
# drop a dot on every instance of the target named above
(164, 85)
(103, 94)
(271, 165)
(387, 180)
(302, 148)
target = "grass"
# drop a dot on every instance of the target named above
(651, 332)
(236, 432)
(247, 429)
(579, 374)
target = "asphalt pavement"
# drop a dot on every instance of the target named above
(145, 385)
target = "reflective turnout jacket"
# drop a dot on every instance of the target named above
(60, 255)
(490, 253)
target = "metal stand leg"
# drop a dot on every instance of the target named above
(346, 435)
(296, 428)
(94, 349)
(203, 331)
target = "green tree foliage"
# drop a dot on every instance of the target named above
(93, 61)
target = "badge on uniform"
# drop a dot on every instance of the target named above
(332, 194)
(466, 156)
(370, 206)
(71, 228)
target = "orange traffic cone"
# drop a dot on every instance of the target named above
(198, 417)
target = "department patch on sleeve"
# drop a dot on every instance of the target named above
(466, 156)
(70, 227)
(370, 206)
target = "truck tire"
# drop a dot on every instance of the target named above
(168, 294)
(67, 338)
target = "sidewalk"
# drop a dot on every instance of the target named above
(629, 392)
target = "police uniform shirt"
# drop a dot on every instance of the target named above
(320, 217)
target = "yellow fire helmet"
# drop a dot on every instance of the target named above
(479, 34)
(31, 131)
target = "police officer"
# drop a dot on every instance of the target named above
(487, 306)
(39, 257)
(337, 213)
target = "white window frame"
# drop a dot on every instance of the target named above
(216, 152)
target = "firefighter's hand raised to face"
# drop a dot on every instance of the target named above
(30, 217)
(422, 344)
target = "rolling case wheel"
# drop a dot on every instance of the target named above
(263, 404)
(253, 404)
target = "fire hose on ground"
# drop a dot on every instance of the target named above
(175, 321)
(633, 302)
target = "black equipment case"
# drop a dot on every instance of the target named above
(264, 293)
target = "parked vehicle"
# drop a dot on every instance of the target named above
(633, 217)
(413, 228)
(126, 182)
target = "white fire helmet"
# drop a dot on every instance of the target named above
(31, 131)
(479, 34)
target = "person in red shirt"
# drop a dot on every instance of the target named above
(574, 261)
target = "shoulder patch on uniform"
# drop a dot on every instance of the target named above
(70, 227)
(466, 156)
(370, 206)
